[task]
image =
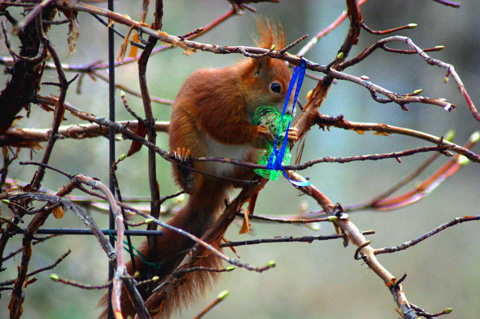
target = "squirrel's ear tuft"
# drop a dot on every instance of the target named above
(269, 34)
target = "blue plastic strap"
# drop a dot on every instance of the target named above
(276, 158)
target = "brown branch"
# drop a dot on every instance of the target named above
(99, 65)
(406, 179)
(382, 202)
(27, 5)
(185, 44)
(58, 261)
(95, 183)
(307, 118)
(285, 220)
(434, 49)
(90, 223)
(105, 123)
(331, 159)
(30, 34)
(340, 122)
(72, 283)
(423, 313)
(369, 157)
(24, 82)
(351, 39)
(210, 306)
(129, 90)
(49, 267)
(7, 161)
(131, 135)
(59, 108)
(112, 255)
(116, 187)
(66, 204)
(215, 23)
(16, 252)
(425, 236)
(16, 136)
(401, 100)
(303, 124)
(32, 14)
(15, 305)
(294, 43)
(355, 237)
(35, 59)
(216, 232)
(191, 45)
(289, 239)
(449, 3)
(331, 72)
(183, 271)
(326, 31)
(150, 125)
(403, 27)
(120, 259)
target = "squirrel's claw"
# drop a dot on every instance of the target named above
(182, 154)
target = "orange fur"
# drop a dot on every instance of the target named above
(269, 35)
(211, 116)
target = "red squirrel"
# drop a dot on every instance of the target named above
(211, 116)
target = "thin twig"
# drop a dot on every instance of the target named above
(74, 131)
(355, 237)
(423, 313)
(448, 3)
(49, 267)
(77, 284)
(131, 135)
(289, 239)
(326, 31)
(408, 26)
(150, 125)
(294, 43)
(41, 51)
(417, 240)
(96, 184)
(59, 107)
(121, 35)
(450, 71)
(131, 91)
(16, 252)
(215, 302)
(31, 16)
(340, 122)
(120, 267)
(283, 220)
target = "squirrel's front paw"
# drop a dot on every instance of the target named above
(184, 155)
(292, 134)
(264, 132)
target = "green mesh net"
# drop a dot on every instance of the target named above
(269, 116)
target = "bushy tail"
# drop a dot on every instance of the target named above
(175, 290)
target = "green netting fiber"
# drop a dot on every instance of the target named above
(269, 116)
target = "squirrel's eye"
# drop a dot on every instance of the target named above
(275, 87)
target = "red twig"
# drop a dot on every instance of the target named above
(449, 3)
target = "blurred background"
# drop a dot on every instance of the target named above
(317, 280)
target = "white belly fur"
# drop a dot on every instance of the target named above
(217, 149)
